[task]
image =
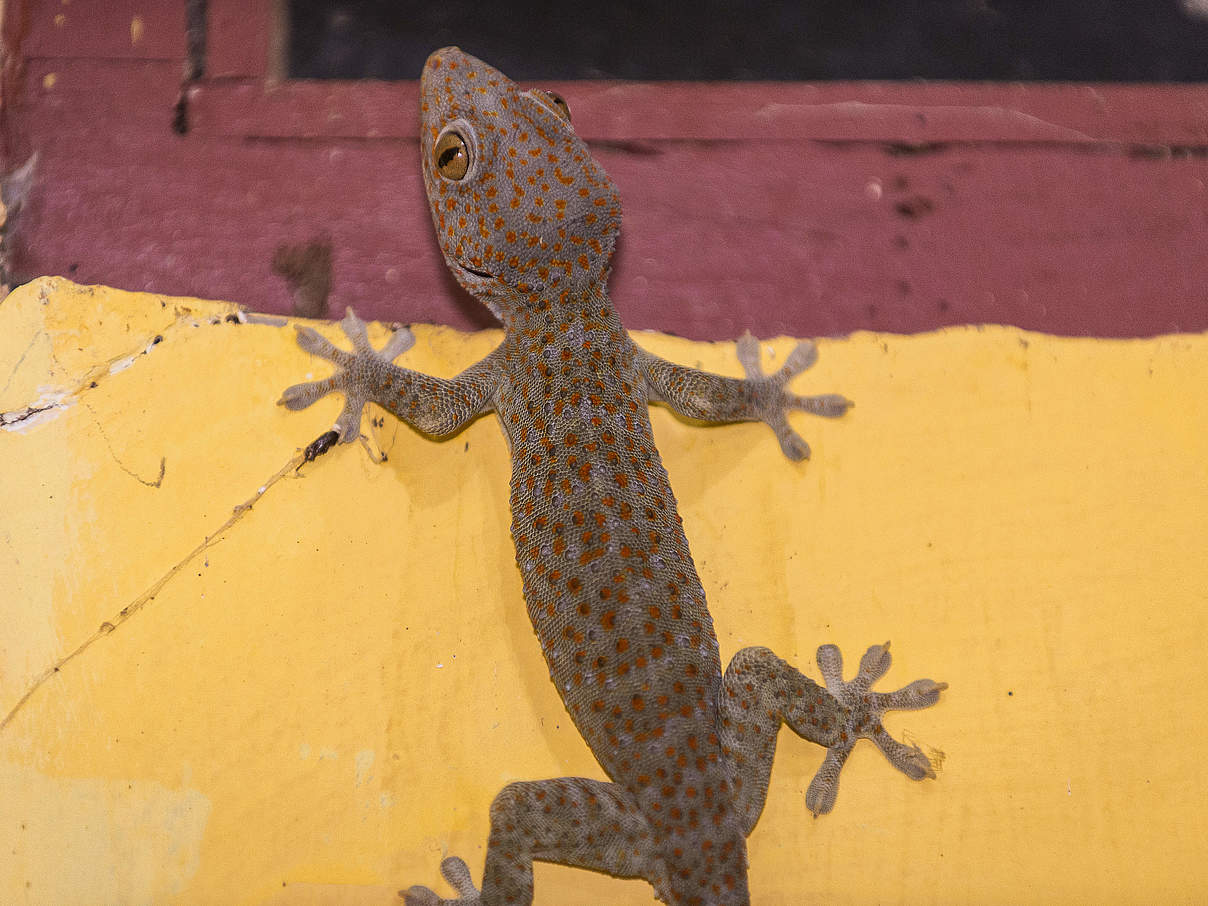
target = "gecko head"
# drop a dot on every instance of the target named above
(524, 215)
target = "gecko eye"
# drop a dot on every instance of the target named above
(558, 102)
(451, 155)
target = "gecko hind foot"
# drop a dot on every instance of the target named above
(803, 356)
(863, 711)
(457, 873)
(355, 371)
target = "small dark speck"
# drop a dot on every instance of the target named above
(1150, 152)
(872, 311)
(903, 287)
(93, 384)
(914, 207)
(467, 449)
(72, 268)
(158, 339)
(942, 305)
(1009, 693)
(231, 319)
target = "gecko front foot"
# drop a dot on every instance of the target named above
(777, 400)
(862, 711)
(457, 873)
(358, 373)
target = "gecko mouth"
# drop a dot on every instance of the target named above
(477, 273)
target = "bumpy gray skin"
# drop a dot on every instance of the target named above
(527, 221)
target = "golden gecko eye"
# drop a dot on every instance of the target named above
(451, 155)
(558, 103)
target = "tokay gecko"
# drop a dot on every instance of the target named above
(527, 221)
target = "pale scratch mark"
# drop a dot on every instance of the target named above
(865, 110)
(150, 594)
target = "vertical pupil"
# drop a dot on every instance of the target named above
(449, 155)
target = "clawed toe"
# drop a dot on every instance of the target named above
(792, 444)
(316, 344)
(299, 396)
(827, 405)
(419, 896)
(457, 874)
(803, 356)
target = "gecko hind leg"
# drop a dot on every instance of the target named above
(356, 373)
(760, 691)
(803, 356)
(570, 821)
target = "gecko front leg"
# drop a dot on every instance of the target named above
(760, 397)
(435, 406)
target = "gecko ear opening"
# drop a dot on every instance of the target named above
(555, 101)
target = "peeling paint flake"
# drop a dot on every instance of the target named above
(46, 409)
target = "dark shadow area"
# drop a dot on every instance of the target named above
(1058, 40)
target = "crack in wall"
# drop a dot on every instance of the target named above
(24, 417)
(111, 625)
(163, 460)
(17, 366)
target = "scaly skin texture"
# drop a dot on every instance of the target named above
(527, 221)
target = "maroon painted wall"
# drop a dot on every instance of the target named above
(783, 208)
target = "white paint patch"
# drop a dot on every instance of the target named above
(364, 765)
(43, 410)
(122, 364)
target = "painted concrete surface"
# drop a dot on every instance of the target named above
(228, 679)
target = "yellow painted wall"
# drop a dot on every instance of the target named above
(288, 686)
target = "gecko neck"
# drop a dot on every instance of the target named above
(520, 312)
